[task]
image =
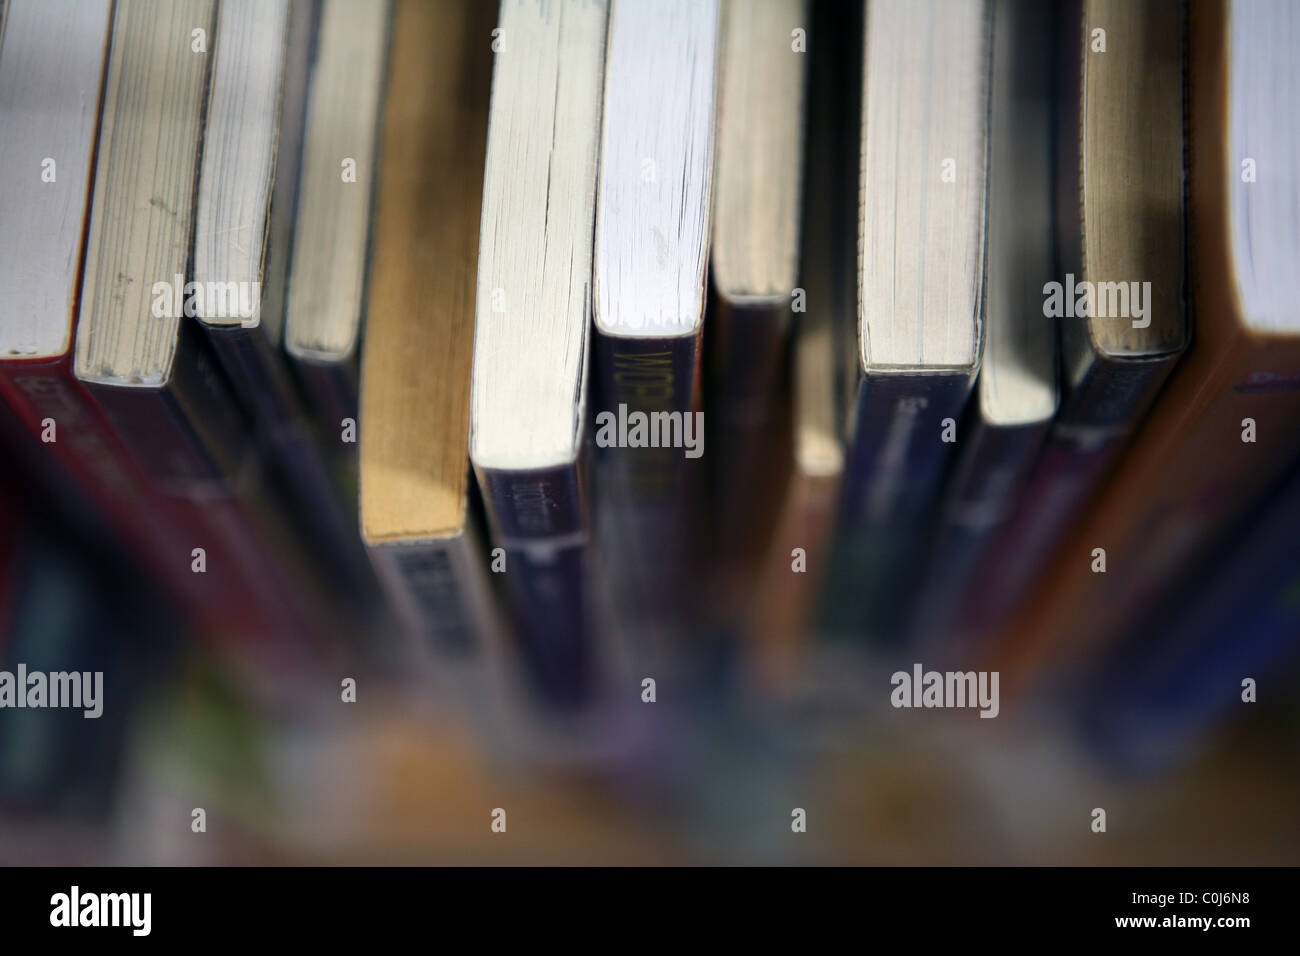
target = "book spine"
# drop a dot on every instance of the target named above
(1083, 446)
(1185, 665)
(446, 607)
(315, 498)
(647, 374)
(747, 422)
(988, 479)
(642, 493)
(1184, 487)
(535, 509)
(85, 446)
(190, 440)
(891, 485)
(782, 608)
(235, 567)
(331, 390)
(747, 346)
(1229, 378)
(540, 528)
(424, 580)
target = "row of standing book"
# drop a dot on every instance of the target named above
(340, 315)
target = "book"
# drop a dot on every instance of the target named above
(532, 306)
(153, 374)
(1229, 638)
(415, 489)
(1120, 303)
(653, 212)
(1015, 396)
(241, 165)
(331, 236)
(240, 252)
(1223, 430)
(754, 261)
(796, 562)
(924, 128)
(58, 116)
(782, 611)
(50, 193)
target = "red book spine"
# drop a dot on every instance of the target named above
(162, 531)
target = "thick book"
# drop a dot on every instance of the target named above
(920, 296)
(151, 372)
(754, 265)
(43, 273)
(653, 210)
(532, 310)
(1224, 428)
(1120, 296)
(331, 236)
(247, 174)
(415, 501)
(1016, 394)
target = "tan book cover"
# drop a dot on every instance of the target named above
(415, 375)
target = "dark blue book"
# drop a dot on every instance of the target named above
(1016, 395)
(920, 301)
(1180, 672)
